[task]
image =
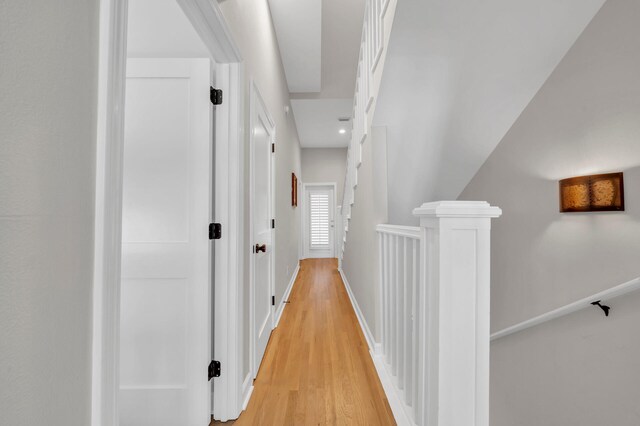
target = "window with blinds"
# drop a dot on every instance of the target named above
(319, 219)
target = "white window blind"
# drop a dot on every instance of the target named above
(319, 219)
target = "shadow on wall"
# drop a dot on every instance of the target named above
(576, 370)
(543, 259)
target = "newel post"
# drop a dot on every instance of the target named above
(454, 319)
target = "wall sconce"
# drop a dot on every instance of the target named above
(595, 193)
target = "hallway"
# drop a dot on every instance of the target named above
(317, 368)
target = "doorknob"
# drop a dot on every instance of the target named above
(261, 248)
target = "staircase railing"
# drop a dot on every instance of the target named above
(596, 301)
(433, 314)
(376, 30)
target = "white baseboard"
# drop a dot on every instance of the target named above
(373, 346)
(247, 390)
(399, 409)
(286, 294)
(247, 385)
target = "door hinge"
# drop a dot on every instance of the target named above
(273, 301)
(273, 224)
(214, 369)
(273, 147)
(215, 231)
(215, 95)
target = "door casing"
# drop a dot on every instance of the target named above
(256, 98)
(231, 388)
(304, 230)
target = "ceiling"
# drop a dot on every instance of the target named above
(320, 128)
(457, 75)
(319, 43)
(298, 29)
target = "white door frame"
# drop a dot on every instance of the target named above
(305, 236)
(256, 97)
(209, 23)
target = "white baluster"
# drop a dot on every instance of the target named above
(413, 395)
(406, 313)
(402, 268)
(392, 307)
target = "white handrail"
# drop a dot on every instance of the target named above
(628, 287)
(404, 231)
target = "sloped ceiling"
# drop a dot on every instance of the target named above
(298, 25)
(457, 76)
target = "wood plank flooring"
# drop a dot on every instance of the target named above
(317, 369)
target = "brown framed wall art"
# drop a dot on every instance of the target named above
(294, 190)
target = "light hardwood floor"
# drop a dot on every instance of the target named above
(317, 369)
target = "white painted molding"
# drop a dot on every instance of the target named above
(108, 212)
(394, 396)
(620, 290)
(403, 231)
(256, 100)
(247, 391)
(398, 408)
(208, 21)
(368, 335)
(376, 30)
(227, 402)
(286, 294)
(454, 314)
(453, 209)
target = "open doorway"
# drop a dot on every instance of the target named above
(158, 190)
(166, 330)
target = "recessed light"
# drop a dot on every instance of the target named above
(342, 131)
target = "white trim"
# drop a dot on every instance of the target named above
(619, 290)
(385, 7)
(208, 21)
(403, 231)
(229, 257)
(255, 97)
(108, 212)
(247, 390)
(371, 341)
(286, 294)
(398, 408)
(305, 234)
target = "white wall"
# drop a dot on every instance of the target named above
(360, 261)
(48, 96)
(159, 29)
(252, 28)
(582, 369)
(325, 165)
(448, 101)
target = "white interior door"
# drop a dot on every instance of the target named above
(165, 337)
(262, 138)
(320, 221)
